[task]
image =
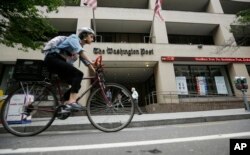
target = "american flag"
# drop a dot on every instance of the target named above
(158, 4)
(91, 3)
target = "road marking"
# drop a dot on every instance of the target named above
(117, 145)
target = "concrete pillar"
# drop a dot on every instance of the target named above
(85, 83)
(222, 36)
(214, 6)
(159, 31)
(165, 83)
(84, 22)
(81, 3)
(238, 69)
(151, 4)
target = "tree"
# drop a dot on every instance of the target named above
(241, 30)
(21, 22)
(244, 16)
(241, 26)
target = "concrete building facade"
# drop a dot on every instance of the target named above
(191, 52)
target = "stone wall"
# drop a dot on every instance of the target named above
(186, 107)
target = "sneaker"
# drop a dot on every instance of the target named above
(74, 107)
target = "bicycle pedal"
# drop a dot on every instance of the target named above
(63, 111)
(64, 114)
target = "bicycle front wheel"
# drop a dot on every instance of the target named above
(29, 110)
(114, 114)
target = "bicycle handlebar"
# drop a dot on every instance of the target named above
(98, 63)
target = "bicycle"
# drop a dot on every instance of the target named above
(32, 108)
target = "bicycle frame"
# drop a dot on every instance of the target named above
(48, 102)
(97, 81)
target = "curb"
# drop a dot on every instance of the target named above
(189, 120)
(147, 123)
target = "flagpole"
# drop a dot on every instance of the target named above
(94, 23)
(151, 30)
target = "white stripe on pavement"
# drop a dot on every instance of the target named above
(124, 144)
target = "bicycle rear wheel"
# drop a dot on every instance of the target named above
(112, 116)
(29, 110)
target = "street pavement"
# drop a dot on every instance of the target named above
(153, 119)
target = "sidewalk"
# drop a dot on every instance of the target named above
(82, 122)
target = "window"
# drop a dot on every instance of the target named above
(190, 39)
(209, 73)
(6, 77)
(243, 41)
(122, 37)
(248, 69)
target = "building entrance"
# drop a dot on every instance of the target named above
(132, 74)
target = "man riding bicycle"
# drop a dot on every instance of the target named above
(60, 62)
